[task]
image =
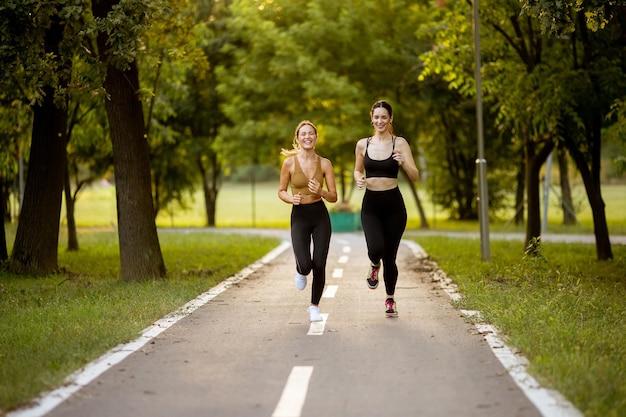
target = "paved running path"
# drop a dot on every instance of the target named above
(251, 351)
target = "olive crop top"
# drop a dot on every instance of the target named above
(387, 168)
(300, 182)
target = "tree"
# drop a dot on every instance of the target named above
(89, 155)
(140, 253)
(448, 93)
(595, 32)
(36, 242)
(195, 116)
(290, 64)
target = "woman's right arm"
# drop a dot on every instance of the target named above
(285, 176)
(359, 166)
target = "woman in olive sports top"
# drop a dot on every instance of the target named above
(383, 213)
(306, 171)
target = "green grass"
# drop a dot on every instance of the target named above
(239, 205)
(53, 325)
(564, 311)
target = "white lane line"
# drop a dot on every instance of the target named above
(317, 327)
(549, 403)
(347, 249)
(294, 394)
(337, 272)
(343, 259)
(330, 291)
(50, 400)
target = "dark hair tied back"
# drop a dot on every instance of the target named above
(383, 104)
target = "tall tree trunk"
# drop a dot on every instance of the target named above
(140, 252)
(569, 217)
(35, 250)
(534, 161)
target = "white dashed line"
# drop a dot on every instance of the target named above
(337, 273)
(330, 291)
(317, 327)
(343, 259)
(347, 249)
(294, 394)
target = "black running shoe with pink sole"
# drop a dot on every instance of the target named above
(372, 277)
(390, 308)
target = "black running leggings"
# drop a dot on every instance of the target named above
(311, 222)
(383, 217)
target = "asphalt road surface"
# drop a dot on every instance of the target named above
(251, 351)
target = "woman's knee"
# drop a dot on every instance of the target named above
(305, 267)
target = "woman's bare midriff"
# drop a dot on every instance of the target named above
(310, 199)
(381, 183)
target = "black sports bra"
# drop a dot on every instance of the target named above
(386, 168)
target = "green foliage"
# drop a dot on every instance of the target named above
(559, 16)
(53, 326)
(450, 143)
(290, 64)
(564, 311)
(616, 135)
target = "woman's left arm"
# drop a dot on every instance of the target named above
(403, 155)
(330, 194)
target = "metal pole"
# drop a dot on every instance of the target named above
(546, 194)
(253, 205)
(483, 214)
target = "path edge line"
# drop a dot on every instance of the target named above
(549, 402)
(48, 401)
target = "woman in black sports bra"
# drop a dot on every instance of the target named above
(383, 213)
(306, 172)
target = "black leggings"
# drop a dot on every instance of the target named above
(311, 221)
(383, 217)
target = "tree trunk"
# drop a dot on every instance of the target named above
(140, 252)
(210, 188)
(420, 209)
(569, 217)
(519, 194)
(4, 254)
(591, 180)
(72, 236)
(534, 161)
(35, 250)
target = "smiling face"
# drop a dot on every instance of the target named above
(381, 119)
(307, 136)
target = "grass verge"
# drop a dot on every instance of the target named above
(51, 326)
(563, 310)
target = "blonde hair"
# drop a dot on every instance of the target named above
(295, 144)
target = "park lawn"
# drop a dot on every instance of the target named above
(52, 326)
(241, 205)
(564, 311)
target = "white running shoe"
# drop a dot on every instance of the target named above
(300, 281)
(314, 314)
